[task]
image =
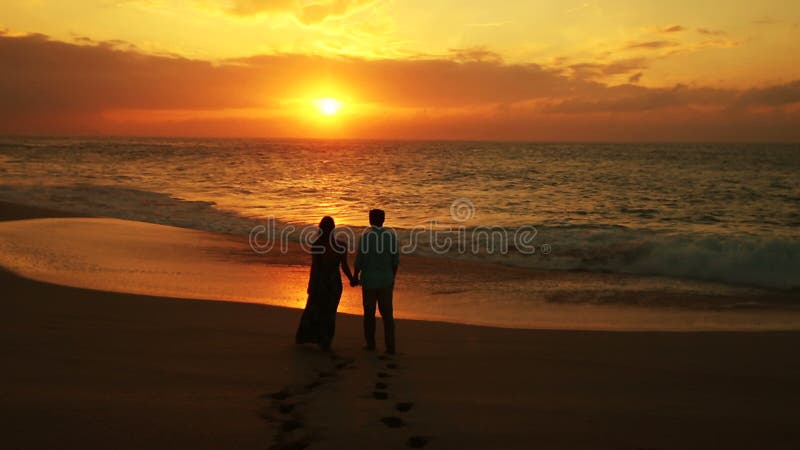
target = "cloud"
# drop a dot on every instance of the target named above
(651, 45)
(306, 13)
(705, 45)
(48, 86)
(710, 32)
(597, 70)
(624, 99)
(636, 99)
(115, 44)
(766, 21)
(673, 29)
(474, 54)
(39, 73)
(778, 95)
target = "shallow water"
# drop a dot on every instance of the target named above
(142, 258)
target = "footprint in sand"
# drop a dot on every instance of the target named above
(291, 425)
(393, 422)
(290, 446)
(404, 406)
(290, 435)
(417, 441)
(343, 363)
(283, 394)
(286, 408)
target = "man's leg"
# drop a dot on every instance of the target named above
(369, 297)
(385, 307)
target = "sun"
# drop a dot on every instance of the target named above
(328, 106)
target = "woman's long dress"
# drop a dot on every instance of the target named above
(318, 322)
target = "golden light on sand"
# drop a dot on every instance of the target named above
(328, 106)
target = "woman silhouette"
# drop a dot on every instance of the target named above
(318, 322)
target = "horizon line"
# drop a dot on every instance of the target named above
(386, 139)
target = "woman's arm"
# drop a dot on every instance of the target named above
(346, 268)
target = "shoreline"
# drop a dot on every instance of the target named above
(141, 258)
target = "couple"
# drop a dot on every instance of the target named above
(377, 259)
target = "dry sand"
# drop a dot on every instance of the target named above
(94, 369)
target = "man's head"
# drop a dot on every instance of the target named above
(376, 217)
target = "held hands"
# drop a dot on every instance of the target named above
(354, 282)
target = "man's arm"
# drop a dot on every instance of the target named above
(359, 264)
(395, 252)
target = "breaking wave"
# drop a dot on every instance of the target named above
(736, 259)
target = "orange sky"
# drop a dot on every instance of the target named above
(545, 70)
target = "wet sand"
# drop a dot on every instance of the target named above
(87, 368)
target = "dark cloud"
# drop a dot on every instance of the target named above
(622, 99)
(474, 54)
(635, 98)
(779, 95)
(673, 29)
(589, 71)
(710, 32)
(651, 45)
(48, 86)
(766, 21)
(41, 73)
(421, 82)
(38, 73)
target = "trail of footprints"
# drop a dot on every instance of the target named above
(381, 393)
(284, 408)
(291, 432)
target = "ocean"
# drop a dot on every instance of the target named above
(725, 213)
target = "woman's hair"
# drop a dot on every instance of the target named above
(327, 224)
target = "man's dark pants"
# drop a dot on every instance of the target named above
(383, 298)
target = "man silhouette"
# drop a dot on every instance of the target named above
(377, 260)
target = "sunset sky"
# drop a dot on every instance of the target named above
(531, 70)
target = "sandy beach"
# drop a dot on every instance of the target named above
(581, 220)
(101, 369)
